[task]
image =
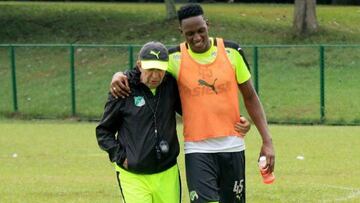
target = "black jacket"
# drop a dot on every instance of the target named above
(127, 129)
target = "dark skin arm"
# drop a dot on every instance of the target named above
(119, 86)
(257, 114)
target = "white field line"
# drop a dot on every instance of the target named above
(353, 193)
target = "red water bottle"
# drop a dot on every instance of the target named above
(268, 178)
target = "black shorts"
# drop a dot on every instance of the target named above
(216, 177)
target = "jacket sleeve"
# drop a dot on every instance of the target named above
(178, 108)
(107, 128)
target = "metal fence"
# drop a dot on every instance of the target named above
(296, 83)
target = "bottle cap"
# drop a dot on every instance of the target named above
(262, 162)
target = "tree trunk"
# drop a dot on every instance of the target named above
(170, 9)
(305, 21)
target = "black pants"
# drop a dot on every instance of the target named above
(216, 177)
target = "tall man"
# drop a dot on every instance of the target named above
(209, 71)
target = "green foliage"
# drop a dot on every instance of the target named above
(59, 161)
(137, 23)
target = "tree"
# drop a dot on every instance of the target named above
(305, 21)
(170, 9)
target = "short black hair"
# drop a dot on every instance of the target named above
(189, 10)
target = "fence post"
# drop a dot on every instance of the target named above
(131, 56)
(13, 76)
(322, 84)
(72, 80)
(256, 73)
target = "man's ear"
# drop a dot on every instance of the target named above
(138, 65)
(207, 22)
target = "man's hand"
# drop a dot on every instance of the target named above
(267, 150)
(125, 164)
(243, 126)
(119, 86)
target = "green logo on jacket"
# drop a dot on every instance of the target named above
(139, 101)
(193, 195)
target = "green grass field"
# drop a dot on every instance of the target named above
(59, 161)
